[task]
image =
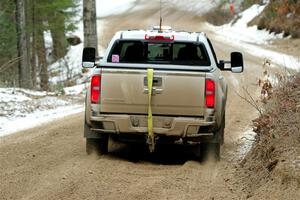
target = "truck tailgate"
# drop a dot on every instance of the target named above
(179, 93)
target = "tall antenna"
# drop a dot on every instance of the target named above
(160, 18)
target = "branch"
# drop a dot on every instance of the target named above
(251, 101)
(9, 63)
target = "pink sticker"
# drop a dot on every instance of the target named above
(115, 58)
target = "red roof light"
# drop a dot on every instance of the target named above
(159, 37)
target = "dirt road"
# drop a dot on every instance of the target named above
(49, 162)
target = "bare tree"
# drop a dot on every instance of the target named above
(25, 79)
(90, 24)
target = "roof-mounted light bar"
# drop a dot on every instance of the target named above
(160, 37)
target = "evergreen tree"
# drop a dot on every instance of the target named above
(54, 16)
(41, 15)
(8, 44)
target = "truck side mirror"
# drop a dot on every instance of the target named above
(88, 57)
(237, 63)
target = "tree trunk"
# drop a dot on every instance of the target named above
(25, 80)
(44, 77)
(59, 41)
(33, 46)
(90, 24)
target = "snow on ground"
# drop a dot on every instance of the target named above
(7, 97)
(21, 109)
(69, 66)
(9, 126)
(281, 59)
(245, 142)
(239, 31)
(74, 90)
(248, 38)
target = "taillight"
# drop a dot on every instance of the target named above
(209, 93)
(95, 88)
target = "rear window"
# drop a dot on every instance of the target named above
(179, 53)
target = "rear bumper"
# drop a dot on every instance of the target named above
(193, 128)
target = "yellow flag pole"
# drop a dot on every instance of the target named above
(151, 140)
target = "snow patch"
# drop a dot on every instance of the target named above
(69, 66)
(249, 14)
(77, 89)
(245, 142)
(10, 126)
(239, 31)
(11, 97)
(248, 138)
(239, 34)
(21, 109)
(281, 59)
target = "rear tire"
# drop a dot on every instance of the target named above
(95, 142)
(212, 150)
(97, 145)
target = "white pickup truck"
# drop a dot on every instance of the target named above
(157, 86)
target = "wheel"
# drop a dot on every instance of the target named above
(95, 142)
(97, 145)
(212, 149)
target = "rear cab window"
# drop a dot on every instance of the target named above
(159, 52)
